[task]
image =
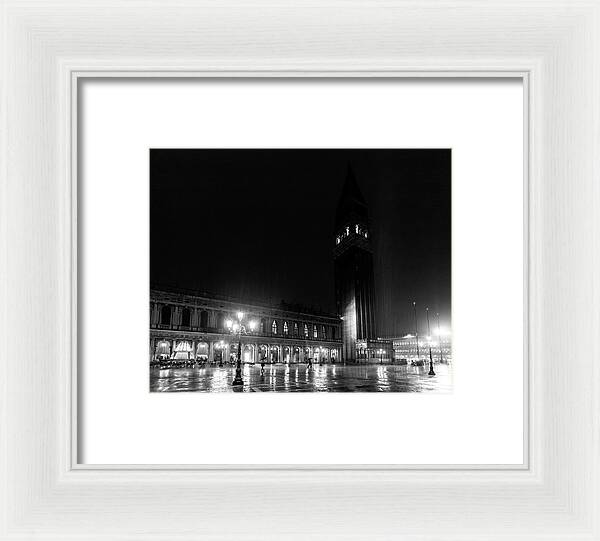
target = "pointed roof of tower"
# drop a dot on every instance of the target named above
(351, 189)
(351, 205)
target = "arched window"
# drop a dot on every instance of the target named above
(165, 315)
(185, 317)
(285, 328)
(323, 335)
(263, 326)
(204, 319)
(305, 330)
(295, 329)
(315, 335)
(274, 327)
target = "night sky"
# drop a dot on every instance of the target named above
(258, 225)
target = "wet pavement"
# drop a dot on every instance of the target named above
(300, 378)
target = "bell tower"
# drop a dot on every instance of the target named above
(353, 261)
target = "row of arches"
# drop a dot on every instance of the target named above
(223, 352)
(178, 317)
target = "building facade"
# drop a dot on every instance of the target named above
(354, 280)
(405, 348)
(193, 328)
(379, 350)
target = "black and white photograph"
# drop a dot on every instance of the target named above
(299, 270)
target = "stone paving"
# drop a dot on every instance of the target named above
(301, 378)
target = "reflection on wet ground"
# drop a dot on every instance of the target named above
(298, 377)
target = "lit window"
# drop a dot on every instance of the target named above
(366, 235)
(337, 240)
(356, 228)
(285, 327)
(274, 327)
(347, 230)
(322, 331)
(306, 330)
(315, 331)
(295, 329)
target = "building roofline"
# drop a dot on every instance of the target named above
(282, 307)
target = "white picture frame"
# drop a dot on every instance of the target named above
(552, 46)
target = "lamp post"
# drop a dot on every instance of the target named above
(440, 339)
(238, 328)
(416, 330)
(431, 371)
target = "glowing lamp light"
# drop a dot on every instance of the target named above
(253, 325)
(228, 323)
(240, 316)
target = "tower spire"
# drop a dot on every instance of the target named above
(351, 204)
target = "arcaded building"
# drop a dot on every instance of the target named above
(189, 326)
(411, 348)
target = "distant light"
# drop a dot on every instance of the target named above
(443, 332)
(409, 336)
(240, 316)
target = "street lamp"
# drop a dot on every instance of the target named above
(416, 330)
(237, 327)
(431, 371)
